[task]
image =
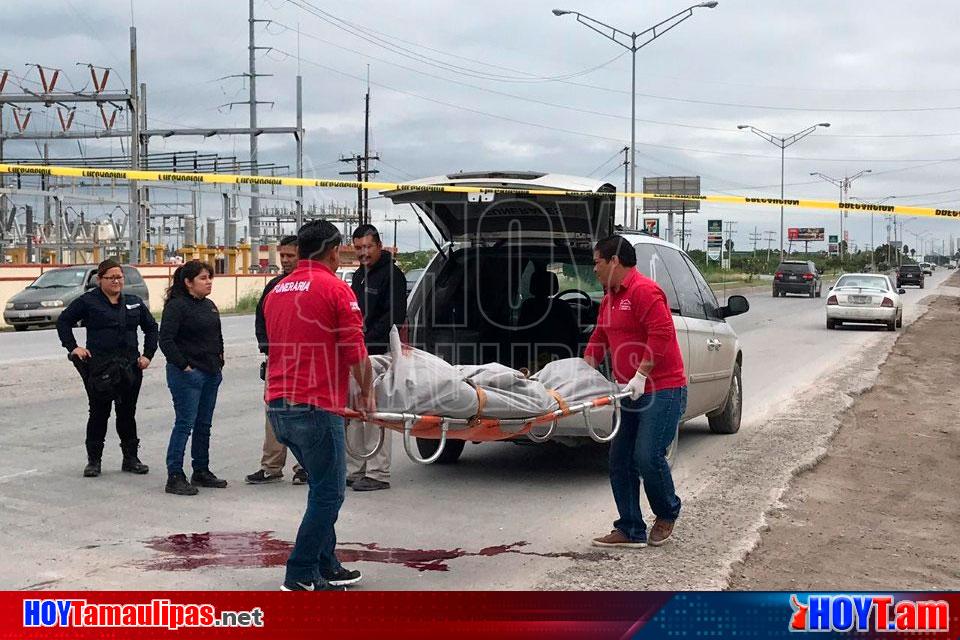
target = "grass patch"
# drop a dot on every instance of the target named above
(247, 303)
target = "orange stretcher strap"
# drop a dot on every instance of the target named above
(564, 407)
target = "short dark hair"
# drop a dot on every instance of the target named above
(619, 246)
(286, 241)
(367, 230)
(316, 239)
(106, 265)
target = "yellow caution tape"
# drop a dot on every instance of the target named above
(220, 178)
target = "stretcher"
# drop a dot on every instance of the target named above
(480, 428)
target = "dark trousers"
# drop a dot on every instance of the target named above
(194, 400)
(99, 414)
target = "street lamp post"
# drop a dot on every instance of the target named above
(783, 143)
(844, 184)
(618, 36)
(873, 247)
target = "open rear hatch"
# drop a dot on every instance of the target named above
(490, 215)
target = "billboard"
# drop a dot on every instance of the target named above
(805, 234)
(651, 226)
(680, 185)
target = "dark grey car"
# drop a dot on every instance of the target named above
(42, 302)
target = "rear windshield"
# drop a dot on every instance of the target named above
(863, 282)
(793, 267)
(909, 267)
(60, 278)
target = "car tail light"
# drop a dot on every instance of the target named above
(887, 302)
(778, 276)
(808, 276)
(832, 300)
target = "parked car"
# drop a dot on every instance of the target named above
(480, 301)
(412, 277)
(43, 300)
(797, 276)
(865, 298)
(909, 274)
(346, 274)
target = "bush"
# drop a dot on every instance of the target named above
(247, 303)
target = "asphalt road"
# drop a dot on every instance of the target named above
(504, 517)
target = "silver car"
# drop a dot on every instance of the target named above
(865, 298)
(514, 273)
(42, 302)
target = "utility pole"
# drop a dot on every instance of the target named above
(769, 236)
(395, 221)
(626, 177)
(730, 229)
(754, 236)
(135, 215)
(366, 146)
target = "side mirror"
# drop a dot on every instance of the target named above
(735, 306)
(901, 291)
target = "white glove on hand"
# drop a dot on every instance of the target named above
(636, 385)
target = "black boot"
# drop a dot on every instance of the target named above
(131, 463)
(205, 478)
(178, 485)
(94, 453)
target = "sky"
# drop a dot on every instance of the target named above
(508, 85)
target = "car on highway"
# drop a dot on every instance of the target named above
(44, 299)
(346, 274)
(797, 276)
(513, 282)
(927, 268)
(865, 298)
(909, 274)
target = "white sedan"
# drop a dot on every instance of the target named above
(865, 298)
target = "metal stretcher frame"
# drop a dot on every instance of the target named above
(413, 425)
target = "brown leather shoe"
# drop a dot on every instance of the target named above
(661, 532)
(616, 538)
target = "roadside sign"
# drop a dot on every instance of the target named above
(805, 234)
(714, 239)
(651, 226)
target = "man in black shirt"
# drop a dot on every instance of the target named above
(381, 291)
(274, 454)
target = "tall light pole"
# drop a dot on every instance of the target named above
(873, 247)
(844, 184)
(620, 37)
(783, 143)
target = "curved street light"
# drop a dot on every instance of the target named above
(629, 41)
(873, 246)
(783, 143)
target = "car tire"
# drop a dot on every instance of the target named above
(900, 321)
(20, 327)
(813, 291)
(831, 324)
(820, 291)
(921, 285)
(892, 325)
(776, 293)
(727, 420)
(451, 450)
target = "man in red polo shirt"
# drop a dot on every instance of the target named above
(635, 325)
(315, 332)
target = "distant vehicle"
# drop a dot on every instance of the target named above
(797, 276)
(412, 277)
(927, 268)
(346, 274)
(865, 298)
(909, 274)
(42, 302)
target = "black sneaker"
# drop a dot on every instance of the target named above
(177, 484)
(309, 586)
(370, 484)
(343, 577)
(300, 476)
(262, 477)
(205, 478)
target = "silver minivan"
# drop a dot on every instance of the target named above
(43, 300)
(513, 282)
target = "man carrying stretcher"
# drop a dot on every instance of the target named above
(635, 325)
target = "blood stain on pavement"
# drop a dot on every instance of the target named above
(255, 549)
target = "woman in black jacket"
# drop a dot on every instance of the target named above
(110, 365)
(191, 339)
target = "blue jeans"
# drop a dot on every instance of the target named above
(316, 438)
(194, 399)
(639, 450)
